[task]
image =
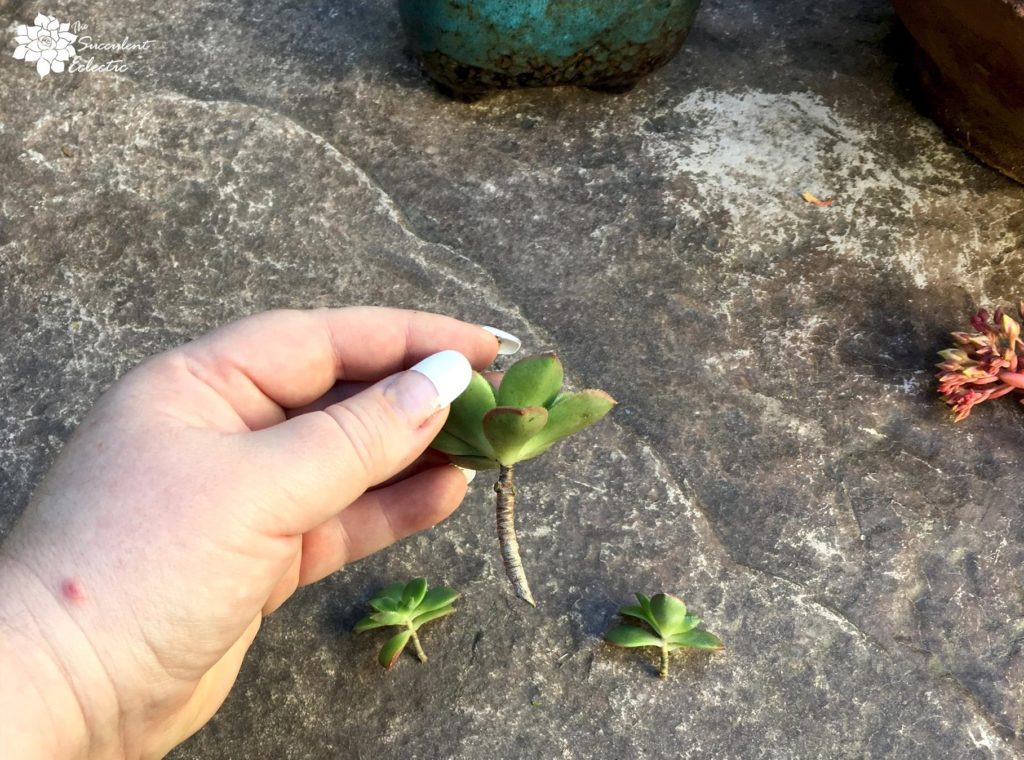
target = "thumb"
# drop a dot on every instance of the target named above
(319, 463)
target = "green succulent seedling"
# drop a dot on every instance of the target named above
(408, 606)
(671, 627)
(496, 429)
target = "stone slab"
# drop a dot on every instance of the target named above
(778, 456)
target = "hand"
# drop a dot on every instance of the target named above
(203, 489)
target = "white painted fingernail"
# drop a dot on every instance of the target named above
(507, 342)
(449, 372)
(467, 473)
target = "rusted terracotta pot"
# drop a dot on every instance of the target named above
(969, 61)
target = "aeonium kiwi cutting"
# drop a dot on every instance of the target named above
(526, 415)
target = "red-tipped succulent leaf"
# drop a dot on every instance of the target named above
(983, 365)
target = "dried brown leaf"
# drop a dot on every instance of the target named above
(815, 200)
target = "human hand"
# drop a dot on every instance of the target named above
(201, 491)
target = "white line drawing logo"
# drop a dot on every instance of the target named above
(48, 44)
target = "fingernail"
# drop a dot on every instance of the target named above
(467, 473)
(507, 342)
(449, 372)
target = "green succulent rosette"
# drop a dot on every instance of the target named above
(491, 429)
(407, 606)
(528, 414)
(669, 626)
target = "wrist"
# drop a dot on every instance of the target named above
(55, 698)
(39, 713)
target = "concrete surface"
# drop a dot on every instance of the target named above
(778, 457)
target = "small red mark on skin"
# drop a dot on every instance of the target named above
(73, 590)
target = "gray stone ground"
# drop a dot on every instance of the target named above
(778, 456)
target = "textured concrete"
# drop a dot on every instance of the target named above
(778, 456)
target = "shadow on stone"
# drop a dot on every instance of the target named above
(895, 329)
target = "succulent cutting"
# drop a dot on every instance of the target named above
(983, 365)
(408, 606)
(669, 626)
(496, 429)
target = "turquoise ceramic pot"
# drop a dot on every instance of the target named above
(472, 46)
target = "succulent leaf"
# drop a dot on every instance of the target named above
(426, 617)
(390, 618)
(530, 451)
(437, 598)
(393, 648)
(690, 622)
(384, 604)
(475, 463)
(669, 614)
(509, 429)
(636, 611)
(533, 381)
(466, 414)
(570, 414)
(630, 636)
(368, 623)
(447, 443)
(414, 592)
(394, 591)
(696, 640)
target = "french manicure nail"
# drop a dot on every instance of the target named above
(507, 342)
(467, 473)
(449, 372)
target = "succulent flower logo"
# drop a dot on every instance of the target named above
(47, 44)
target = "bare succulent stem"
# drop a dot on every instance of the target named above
(420, 654)
(506, 491)
(663, 673)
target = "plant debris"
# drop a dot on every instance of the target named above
(815, 200)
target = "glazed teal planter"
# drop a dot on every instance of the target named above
(470, 47)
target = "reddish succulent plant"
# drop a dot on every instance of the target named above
(984, 365)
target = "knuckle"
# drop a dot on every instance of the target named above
(363, 428)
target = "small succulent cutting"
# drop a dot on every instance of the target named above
(529, 413)
(408, 606)
(669, 627)
(984, 365)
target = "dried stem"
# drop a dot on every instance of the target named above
(506, 491)
(663, 673)
(420, 654)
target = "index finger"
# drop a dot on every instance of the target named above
(279, 360)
